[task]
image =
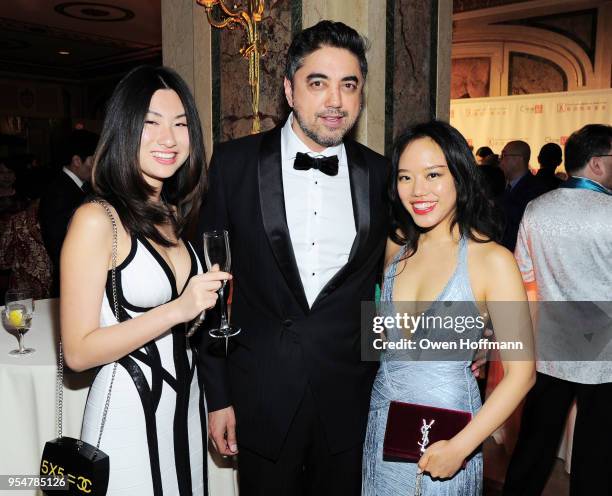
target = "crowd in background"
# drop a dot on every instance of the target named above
(37, 200)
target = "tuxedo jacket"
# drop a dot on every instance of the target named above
(284, 345)
(57, 204)
(514, 203)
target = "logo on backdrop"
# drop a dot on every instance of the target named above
(537, 108)
(482, 111)
(495, 143)
(581, 106)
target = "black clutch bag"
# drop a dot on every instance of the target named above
(411, 428)
(83, 467)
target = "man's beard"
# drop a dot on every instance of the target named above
(326, 141)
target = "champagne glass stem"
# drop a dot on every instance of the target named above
(20, 341)
(223, 307)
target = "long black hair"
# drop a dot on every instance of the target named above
(475, 214)
(116, 174)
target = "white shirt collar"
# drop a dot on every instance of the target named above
(292, 144)
(73, 176)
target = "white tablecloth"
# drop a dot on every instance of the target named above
(28, 412)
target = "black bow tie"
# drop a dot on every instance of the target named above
(327, 165)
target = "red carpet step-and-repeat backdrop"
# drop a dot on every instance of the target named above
(537, 119)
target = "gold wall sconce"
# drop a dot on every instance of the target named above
(246, 18)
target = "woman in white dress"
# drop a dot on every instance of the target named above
(149, 167)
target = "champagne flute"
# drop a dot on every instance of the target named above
(17, 316)
(217, 252)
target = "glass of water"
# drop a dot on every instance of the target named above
(17, 317)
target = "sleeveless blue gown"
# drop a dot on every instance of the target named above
(407, 376)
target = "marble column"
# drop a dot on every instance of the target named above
(409, 61)
(418, 63)
(186, 47)
(232, 111)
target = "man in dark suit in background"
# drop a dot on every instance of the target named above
(521, 188)
(549, 158)
(304, 207)
(65, 193)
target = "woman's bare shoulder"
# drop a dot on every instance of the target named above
(491, 263)
(492, 255)
(93, 218)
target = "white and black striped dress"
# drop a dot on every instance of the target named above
(155, 432)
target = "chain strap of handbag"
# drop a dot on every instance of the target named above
(60, 368)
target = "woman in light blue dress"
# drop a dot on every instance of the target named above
(442, 253)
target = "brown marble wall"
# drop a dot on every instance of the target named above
(531, 74)
(235, 97)
(413, 81)
(470, 77)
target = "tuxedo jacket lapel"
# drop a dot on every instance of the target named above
(272, 202)
(360, 193)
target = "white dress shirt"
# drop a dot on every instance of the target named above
(74, 177)
(319, 213)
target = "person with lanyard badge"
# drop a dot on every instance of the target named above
(563, 250)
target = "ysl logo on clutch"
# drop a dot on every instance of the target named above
(425, 428)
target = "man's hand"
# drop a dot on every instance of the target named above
(477, 363)
(222, 430)
(481, 356)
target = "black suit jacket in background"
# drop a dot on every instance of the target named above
(514, 203)
(57, 204)
(285, 345)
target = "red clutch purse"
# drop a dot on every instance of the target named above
(411, 428)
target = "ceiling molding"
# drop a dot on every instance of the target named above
(64, 34)
(93, 11)
(525, 9)
(75, 41)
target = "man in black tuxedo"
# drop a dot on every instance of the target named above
(305, 210)
(64, 194)
(521, 188)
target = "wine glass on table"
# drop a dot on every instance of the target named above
(17, 317)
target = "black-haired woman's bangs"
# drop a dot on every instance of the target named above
(475, 214)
